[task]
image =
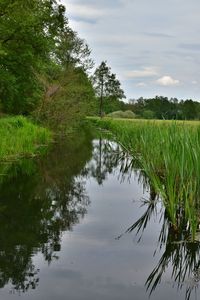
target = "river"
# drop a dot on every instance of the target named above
(83, 223)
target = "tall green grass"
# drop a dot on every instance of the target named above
(169, 154)
(19, 137)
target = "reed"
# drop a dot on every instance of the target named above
(169, 154)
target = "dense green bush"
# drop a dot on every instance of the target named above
(128, 114)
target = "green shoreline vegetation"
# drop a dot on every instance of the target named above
(21, 138)
(168, 152)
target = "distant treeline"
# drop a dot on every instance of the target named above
(164, 108)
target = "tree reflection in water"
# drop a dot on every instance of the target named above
(108, 157)
(40, 201)
(180, 254)
(37, 203)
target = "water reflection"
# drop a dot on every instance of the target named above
(39, 200)
(108, 157)
(179, 254)
(37, 203)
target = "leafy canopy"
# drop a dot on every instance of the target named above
(35, 41)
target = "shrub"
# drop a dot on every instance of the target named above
(128, 114)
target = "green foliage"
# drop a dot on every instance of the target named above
(164, 108)
(73, 51)
(100, 78)
(68, 101)
(27, 33)
(37, 49)
(148, 114)
(20, 137)
(112, 104)
(107, 87)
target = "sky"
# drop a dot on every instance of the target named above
(153, 46)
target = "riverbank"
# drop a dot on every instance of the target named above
(21, 138)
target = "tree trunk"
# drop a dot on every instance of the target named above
(101, 101)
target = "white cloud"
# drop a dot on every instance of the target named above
(141, 84)
(194, 82)
(145, 72)
(167, 81)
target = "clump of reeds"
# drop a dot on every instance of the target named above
(169, 154)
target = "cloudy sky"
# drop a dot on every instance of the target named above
(153, 46)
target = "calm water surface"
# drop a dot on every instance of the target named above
(81, 224)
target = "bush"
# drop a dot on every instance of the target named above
(128, 114)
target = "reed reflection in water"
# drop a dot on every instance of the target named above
(49, 197)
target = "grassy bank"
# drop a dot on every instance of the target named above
(169, 154)
(20, 138)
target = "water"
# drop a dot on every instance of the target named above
(81, 224)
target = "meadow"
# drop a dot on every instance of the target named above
(21, 138)
(168, 152)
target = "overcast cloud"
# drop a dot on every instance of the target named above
(153, 46)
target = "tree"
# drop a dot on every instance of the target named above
(27, 39)
(73, 99)
(73, 51)
(189, 109)
(113, 88)
(100, 78)
(163, 108)
(106, 85)
(42, 58)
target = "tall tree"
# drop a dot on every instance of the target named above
(100, 78)
(106, 85)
